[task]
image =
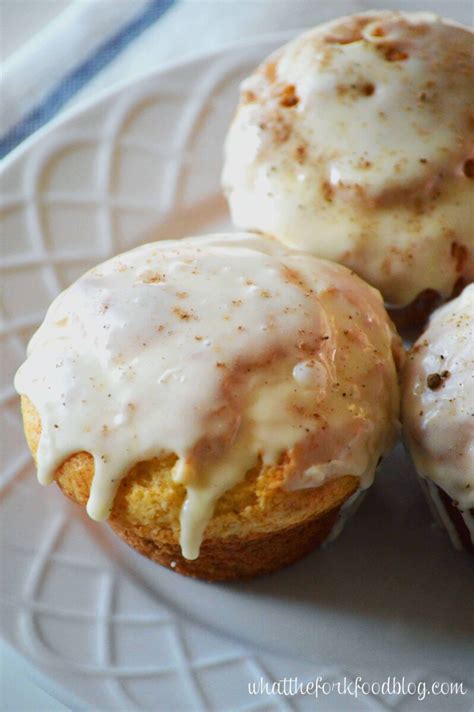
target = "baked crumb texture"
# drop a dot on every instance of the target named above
(257, 526)
(218, 399)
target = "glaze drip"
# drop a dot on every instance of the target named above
(226, 351)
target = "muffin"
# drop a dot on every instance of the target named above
(438, 415)
(219, 399)
(355, 142)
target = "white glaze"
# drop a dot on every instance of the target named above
(197, 348)
(367, 168)
(439, 422)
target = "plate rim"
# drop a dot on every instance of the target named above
(46, 683)
(76, 110)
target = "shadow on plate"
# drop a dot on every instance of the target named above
(390, 590)
(391, 562)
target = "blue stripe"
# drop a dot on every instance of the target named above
(78, 77)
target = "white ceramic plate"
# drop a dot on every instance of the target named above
(108, 628)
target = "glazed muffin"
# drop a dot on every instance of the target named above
(438, 415)
(355, 142)
(220, 400)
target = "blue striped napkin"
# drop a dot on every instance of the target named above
(40, 79)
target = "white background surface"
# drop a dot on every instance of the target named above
(185, 30)
(22, 19)
(19, 21)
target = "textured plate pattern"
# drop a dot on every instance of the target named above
(141, 164)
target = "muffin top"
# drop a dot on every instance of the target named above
(438, 400)
(356, 142)
(226, 351)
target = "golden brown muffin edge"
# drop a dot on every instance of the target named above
(257, 526)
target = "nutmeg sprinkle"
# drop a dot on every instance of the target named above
(185, 379)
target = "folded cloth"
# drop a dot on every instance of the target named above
(40, 78)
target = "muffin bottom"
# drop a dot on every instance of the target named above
(233, 558)
(411, 319)
(253, 532)
(448, 516)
